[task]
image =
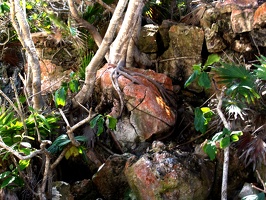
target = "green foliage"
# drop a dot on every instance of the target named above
(60, 96)
(99, 121)
(4, 8)
(202, 118)
(200, 74)
(11, 178)
(84, 63)
(240, 83)
(60, 143)
(222, 139)
(261, 69)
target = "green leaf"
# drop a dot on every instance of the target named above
(225, 142)
(93, 122)
(200, 121)
(8, 181)
(100, 126)
(191, 79)
(218, 136)
(204, 80)
(23, 164)
(210, 149)
(26, 151)
(226, 132)
(234, 138)
(213, 58)
(111, 122)
(25, 144)
(4, 174)
(60, 97)
(74, 85)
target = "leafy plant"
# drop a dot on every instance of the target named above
(200, 72)
(99, 121)
(61, 94)
(62, 141)
(222, 139)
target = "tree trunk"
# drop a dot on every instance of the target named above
(119, 47)
(87, 89)
(22, 28)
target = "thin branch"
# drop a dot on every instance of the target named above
(92, 29)
(70, 130)
(106, 6)
(18, 155)
(61, 156)
(226, 150)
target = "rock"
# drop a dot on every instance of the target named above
(84, 189)
(164, 32)
(149, 113)
(148, 39)
(183, 52)
(260, 17)
(165, 175)
(61, 191)
(110, 179)
(259, 37)
(246, 190)
(242, 20)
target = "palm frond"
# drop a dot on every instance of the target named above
(239, 81)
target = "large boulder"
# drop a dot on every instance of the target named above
(161, 174)
(184, 51)
(148, 112)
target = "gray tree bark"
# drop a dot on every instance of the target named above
(19, 21)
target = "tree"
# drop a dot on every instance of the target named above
(33, 82)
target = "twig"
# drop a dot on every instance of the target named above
(70, 129)
(60, 157)
(226, 150)
(262, 182)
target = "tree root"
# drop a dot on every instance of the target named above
(120, 70)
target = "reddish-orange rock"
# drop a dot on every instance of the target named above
(260, 16)
(149, 113)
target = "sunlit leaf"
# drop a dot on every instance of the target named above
(8, 181)
(23, 164)
(4, 174)
(225, 142)
(73, 151)
(210, 149)
(213, 58)
(74, 85)
(111, 122)
(60, 97)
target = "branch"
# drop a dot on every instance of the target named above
(87, 89)
(70, 130)
(226, 150)
(106, 6)
(92, 29)
(21, 157)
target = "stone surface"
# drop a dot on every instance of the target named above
(84, 189)
(149, 113)
(260, 16)
(148, 39)
(242, 20)
(110, 179)
(61, 191)
(165, 175)
(184, 51)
